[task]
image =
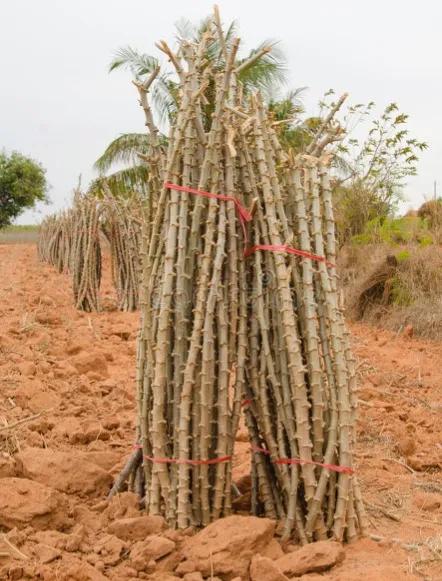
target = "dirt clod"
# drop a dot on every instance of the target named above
(64, 471)
(226, 546)
(313, 558)
(264, 569)
(24, 502)
(137, 528)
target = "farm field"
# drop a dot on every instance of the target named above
(19, 235)
(67, 413)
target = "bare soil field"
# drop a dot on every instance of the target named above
(67, 412)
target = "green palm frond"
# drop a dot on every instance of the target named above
(289, 107)
(231, 32)
(122, 183)
(185, 29)
(214, 52)
(123, 149)
(164, 94)
(296, 138)
(341, 163)
(205, 25)
(265, 74)
(139, 64)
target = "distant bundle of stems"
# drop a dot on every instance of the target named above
(225, 325)
(70, 241)
(86, 253)
(54, 241)
(122, 227)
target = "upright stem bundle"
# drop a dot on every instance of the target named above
(234, 315)
(301, 371)
(187, 349)
(71, 241)
(86, 254)
(219, 328)
(122, 227)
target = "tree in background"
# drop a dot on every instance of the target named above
(372, 173)
(22, 184)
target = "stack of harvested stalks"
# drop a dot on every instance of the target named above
(122, 229)
(54, 241)
(71, 241)
(226, 324)
(86, 253)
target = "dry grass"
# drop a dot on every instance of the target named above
(395, 295)
(9, 440)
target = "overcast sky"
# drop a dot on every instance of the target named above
(59, 105)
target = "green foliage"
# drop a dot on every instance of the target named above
(22, 185)
(402, 256)
(163, 91)
(293, 132)
(395, 231)
(123, 183)
(372, 171)
(426, 240)
(357, 209)
(266, 73)
(385, 158)
(123, 149)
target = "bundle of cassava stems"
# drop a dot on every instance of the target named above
(72, 242)
(240, 311)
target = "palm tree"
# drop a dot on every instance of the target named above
(294, 132)
(262, 69)
(122, 150)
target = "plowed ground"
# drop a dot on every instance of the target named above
(75, 372)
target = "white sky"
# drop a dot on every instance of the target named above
(59, 105)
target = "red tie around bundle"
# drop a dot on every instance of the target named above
(298, 461)
(289, 461)
(244, 217)
(288, 250)
(243, 214)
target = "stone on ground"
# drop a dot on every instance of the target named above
(151, 549)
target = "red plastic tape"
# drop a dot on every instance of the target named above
(288, 250)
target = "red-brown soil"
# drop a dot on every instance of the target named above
(77, 370)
